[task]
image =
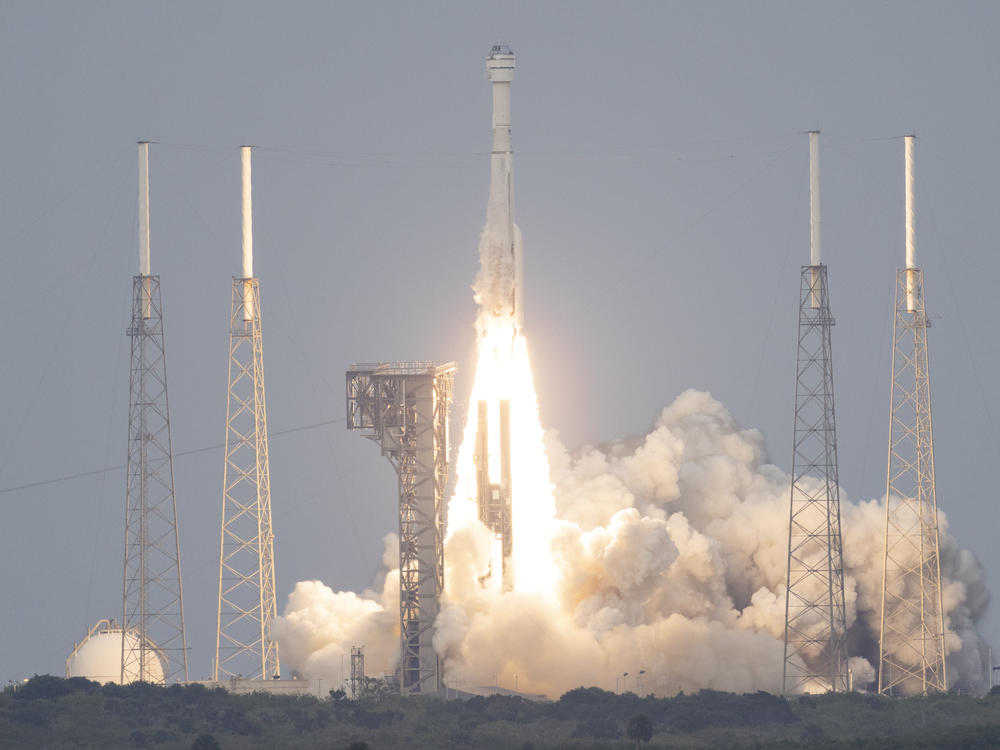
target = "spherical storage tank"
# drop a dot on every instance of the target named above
(99, 656)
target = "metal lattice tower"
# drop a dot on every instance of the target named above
(815, 613)
(911, 642)
(247, 603)
(357, 671)
(404, 408)
(153, 643)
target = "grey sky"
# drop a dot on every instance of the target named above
(662, 179)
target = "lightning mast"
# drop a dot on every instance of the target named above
(815, 613)
(911, 642)
(403, 406)
(153, 643)
(247, 606)
(357, 671)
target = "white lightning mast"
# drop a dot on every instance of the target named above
(911, 642)
(815, 612)
(153, 642)
(247, 602)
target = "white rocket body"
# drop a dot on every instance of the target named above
(506, 296)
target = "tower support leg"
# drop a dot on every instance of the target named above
(815, 612)
(911, 641)
(247, 603)
(153, 642)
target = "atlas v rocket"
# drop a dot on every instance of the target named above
(505, 298)
(502, 302)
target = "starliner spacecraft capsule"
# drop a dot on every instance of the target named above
(506, 299)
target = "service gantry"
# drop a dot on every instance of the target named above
(403, 406)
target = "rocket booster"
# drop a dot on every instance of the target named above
(504, 246)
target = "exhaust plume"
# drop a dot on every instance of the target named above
(670, 557)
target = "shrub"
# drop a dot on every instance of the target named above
(44, 686)
(640, 729)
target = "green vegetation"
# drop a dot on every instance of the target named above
(48, 712)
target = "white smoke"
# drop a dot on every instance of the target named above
(495, 285)
(320, 626)
(672, 554)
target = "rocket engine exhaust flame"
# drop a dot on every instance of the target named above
(505, 493)
(502, 470)
(665, 553)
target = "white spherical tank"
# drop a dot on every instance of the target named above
(99, 656)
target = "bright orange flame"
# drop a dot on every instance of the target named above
(504, 372)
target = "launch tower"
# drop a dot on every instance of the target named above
(404, 408)
(911, 642)
(357, 671)
(153, 643)
(247, 606)
(815, 614)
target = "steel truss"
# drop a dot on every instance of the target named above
(247, 606)
(404, 408)
(911, 642)
(815, 613)
(357, 671)
(153, 643)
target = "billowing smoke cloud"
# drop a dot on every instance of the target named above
(671, 551)
(320, 626)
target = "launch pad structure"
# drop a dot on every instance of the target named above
(152, 596)
(247, 602)
(911, 641)
(815, 613)
(403, 406)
